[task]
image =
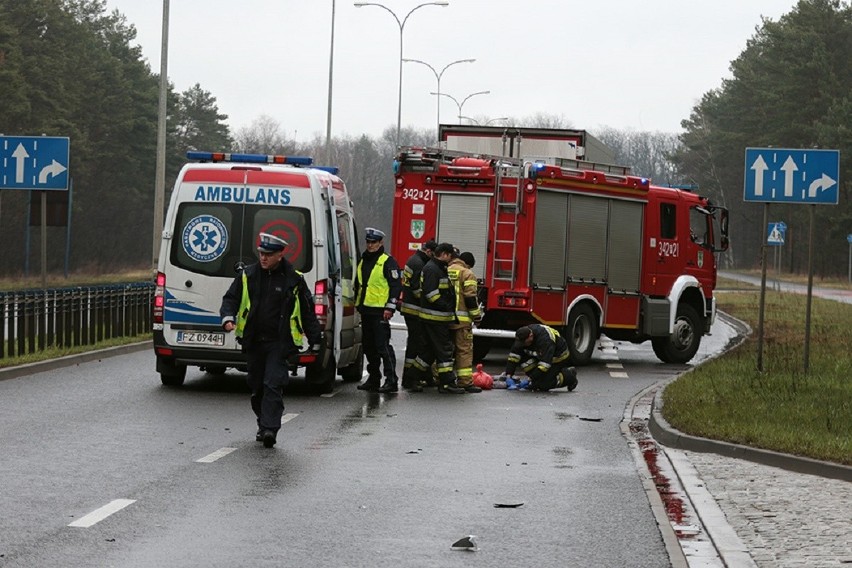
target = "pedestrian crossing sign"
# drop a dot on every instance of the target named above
(775, 234)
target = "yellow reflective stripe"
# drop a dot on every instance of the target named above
(245, 306)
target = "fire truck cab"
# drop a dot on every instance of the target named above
(581, 246)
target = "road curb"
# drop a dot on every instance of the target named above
(69, 360)
(664, 433)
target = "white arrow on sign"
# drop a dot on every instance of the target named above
(20, 154)
(820, 184)
(789, 167)
(759, 166)
(54, 169)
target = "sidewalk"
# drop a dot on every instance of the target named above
(795, 512)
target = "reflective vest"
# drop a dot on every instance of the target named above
(296, 331)
(377, 288)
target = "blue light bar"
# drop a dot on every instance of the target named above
(330, 169)
(249, 158)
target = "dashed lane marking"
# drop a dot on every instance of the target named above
(614, 366)
(220, 453)
(618, 375)
(98, 515)
(288, 417)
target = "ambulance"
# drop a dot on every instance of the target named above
(220, 203)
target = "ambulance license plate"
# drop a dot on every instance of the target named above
(200, 338)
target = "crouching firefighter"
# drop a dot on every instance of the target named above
(543, 355)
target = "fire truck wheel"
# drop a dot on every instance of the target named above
(581, 334)
(682, 344)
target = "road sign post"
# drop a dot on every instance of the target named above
(784, 175)
(849, 240)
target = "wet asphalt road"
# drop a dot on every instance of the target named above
(356, 480)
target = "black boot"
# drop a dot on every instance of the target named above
(389, 386)
(450, 388)
(370, 385)
(571, 379)
(410, 381)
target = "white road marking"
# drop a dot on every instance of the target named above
(618, 375)
(288, 417)
(98, 515)
(614, 366)
(220, 453)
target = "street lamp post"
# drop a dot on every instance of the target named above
(330, 79)
(464, 100)
(438, 75)
(160, 174)
(401, 24)
(487, 122)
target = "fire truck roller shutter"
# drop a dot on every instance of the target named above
(625, 246)
(463, 221)
(551, 239)
(587, 237)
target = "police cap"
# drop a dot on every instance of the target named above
(372, 235)
(270, 243)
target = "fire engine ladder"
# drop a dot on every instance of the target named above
(507, 204)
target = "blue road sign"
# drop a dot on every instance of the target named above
(778, 175)
(34, 162)
(849, 239)
(775, 234)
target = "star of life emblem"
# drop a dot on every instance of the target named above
(204, 238)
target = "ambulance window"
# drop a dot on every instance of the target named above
(347, 250)
(293, 224)
(667, 221)
(204, 239)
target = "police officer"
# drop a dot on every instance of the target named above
(438, 312)
(467, 311)
(270, 308)
(543, 355)
(414, 369)
(377, 291)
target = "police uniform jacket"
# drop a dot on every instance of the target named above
(547, 349)
(390, 272)
(411, 282)
(273, 297)
(438, 299)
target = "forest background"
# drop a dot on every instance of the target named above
(69, 68)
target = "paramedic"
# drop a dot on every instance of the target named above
(377, 291)
(270, 308)
(543, 355)
(414, 369)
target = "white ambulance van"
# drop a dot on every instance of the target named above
(220, 203)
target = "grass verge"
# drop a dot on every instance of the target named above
(56, 352)
(782, 408)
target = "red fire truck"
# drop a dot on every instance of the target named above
(581, 246)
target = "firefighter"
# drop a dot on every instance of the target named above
(415, 367)
(377, 291)
(467, 311)
(438, 312)
(269, 307)
(543, 355)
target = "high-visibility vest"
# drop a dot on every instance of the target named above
(378, 289)
(296, 330)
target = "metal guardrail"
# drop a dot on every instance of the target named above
(35, 320)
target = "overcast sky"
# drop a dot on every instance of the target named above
(629, 64)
